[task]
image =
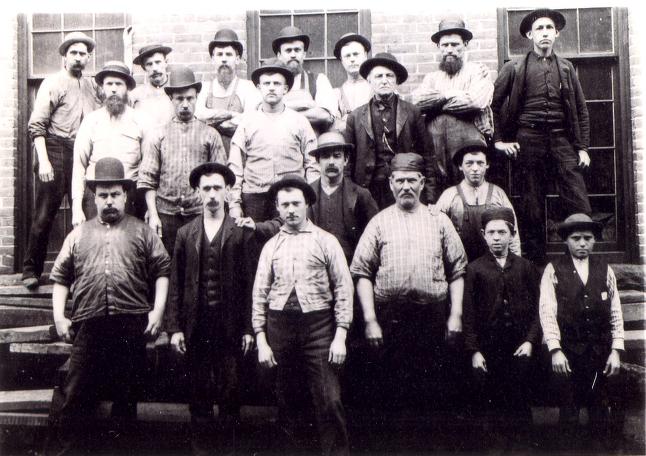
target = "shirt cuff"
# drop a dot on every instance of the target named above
(618, 344)
(553, 344)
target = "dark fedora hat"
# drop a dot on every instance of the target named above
(578, 222)
(76, 37)
(329, 141)
(271, 66)
(293, 181)
(526, 23)
(109, 170)
(472, 145)
(180, 78)
(150, 50)
(211, 168)
(116, 68)
(287, 34)
(349, 38)
(223, 38)
(450, 25)
(387, 60)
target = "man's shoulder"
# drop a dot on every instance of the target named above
(194, 224)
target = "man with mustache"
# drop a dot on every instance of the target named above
(408, 268)
(384, 127)
(169, 155)
(110, 263)
(227, 96)
(115, 130)
(464, 203)
(455, 98)
(62, 101)
(209, 309)
(542, 124)
(311, 93)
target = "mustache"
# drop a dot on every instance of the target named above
(331, 168)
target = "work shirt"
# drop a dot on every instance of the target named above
(248, 96)
(543, 92)
(169, 155)
(309, 261)
(62, 102)
(153, 103)
(111, 267)
(353, 94)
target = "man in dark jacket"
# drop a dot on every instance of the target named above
(541, 120)
(209, 313)
(385, 126)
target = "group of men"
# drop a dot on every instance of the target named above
(258, 210)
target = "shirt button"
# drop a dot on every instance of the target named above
(107, 271)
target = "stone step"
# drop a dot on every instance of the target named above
(44, 333)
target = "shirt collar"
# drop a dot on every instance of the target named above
(539, 57)
(385, 102)
(307, 228)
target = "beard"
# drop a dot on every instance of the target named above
(295, 67)
(225, 75)
(452, 66)
(110, 215)
(116, 105)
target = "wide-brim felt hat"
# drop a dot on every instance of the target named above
(579, 222)
(329, 141)
(76, 37)
(146, 51)
(293, 181)
(287, 34)
(211, 168)
(116, 68)
(109, 171)
(387, 60)
(471, 146)
(449, 26)
(223, 38)
(348, 38)
(181, 78)
(526, 23)
(273, 65)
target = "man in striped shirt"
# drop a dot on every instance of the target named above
(171, 153)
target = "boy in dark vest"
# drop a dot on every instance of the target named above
(581, 317)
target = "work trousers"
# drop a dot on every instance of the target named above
(170, 225)
(258, 206)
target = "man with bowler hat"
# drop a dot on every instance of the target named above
(110, 263)
(169, 155)
(384, 127)
(541, 122)
(62, 101)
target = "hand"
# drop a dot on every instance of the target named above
(154, 222)
(560, 363)
(127, 36)
(64, 329)
(525, 349)
(453, 327)
(266, 356)
(227, 128)
(584, 159)
(154, 323)
(373, 334)
(245, 222)
(235, 212)
(510, 149)
(178, 343)
(45, 171)
(613, 365)
(78, 216)
(337, 352)
(247, 344)
(478, 362)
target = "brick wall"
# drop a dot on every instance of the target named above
(8, 133)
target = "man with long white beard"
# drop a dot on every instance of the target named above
(115, 130)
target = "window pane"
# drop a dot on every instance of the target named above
(77, 21)
(566, 42)
(601, 131)
(314, 26)
(109, 46)
(600, 178)
(275, 12)
(45, 56)
(335, 72)
(338, 25)
(269, 28)
(596, 29)
(46, 22)
(604, 211)
(596, 80)
(110, 20)
(517, 43)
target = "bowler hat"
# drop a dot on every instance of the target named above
(273, 65)
(288, 34)
(223, 38)
(211, 168)
(116, 68)
(450, 25)
(329, 141)
(348, 38)
(181, 78)
(109, 170)
(578, 222)
(408, 161)
(526, 23)
(387, 60)
(498, 213)
(76, 37)
(150, 50)
(293, 181)
(473, 146)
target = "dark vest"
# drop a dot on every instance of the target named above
(583, 310)
(210, 279)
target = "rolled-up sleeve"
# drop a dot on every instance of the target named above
(547, 308)
(63, 270)
(41, 115)
(616, 315)
(365, 261)
(150, 167)
(261, 287)
(340, 283)
(325, 96)
(82, 153)
(158, 258)
(453, 254)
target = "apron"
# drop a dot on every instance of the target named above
(230, 103)
(469, 230)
